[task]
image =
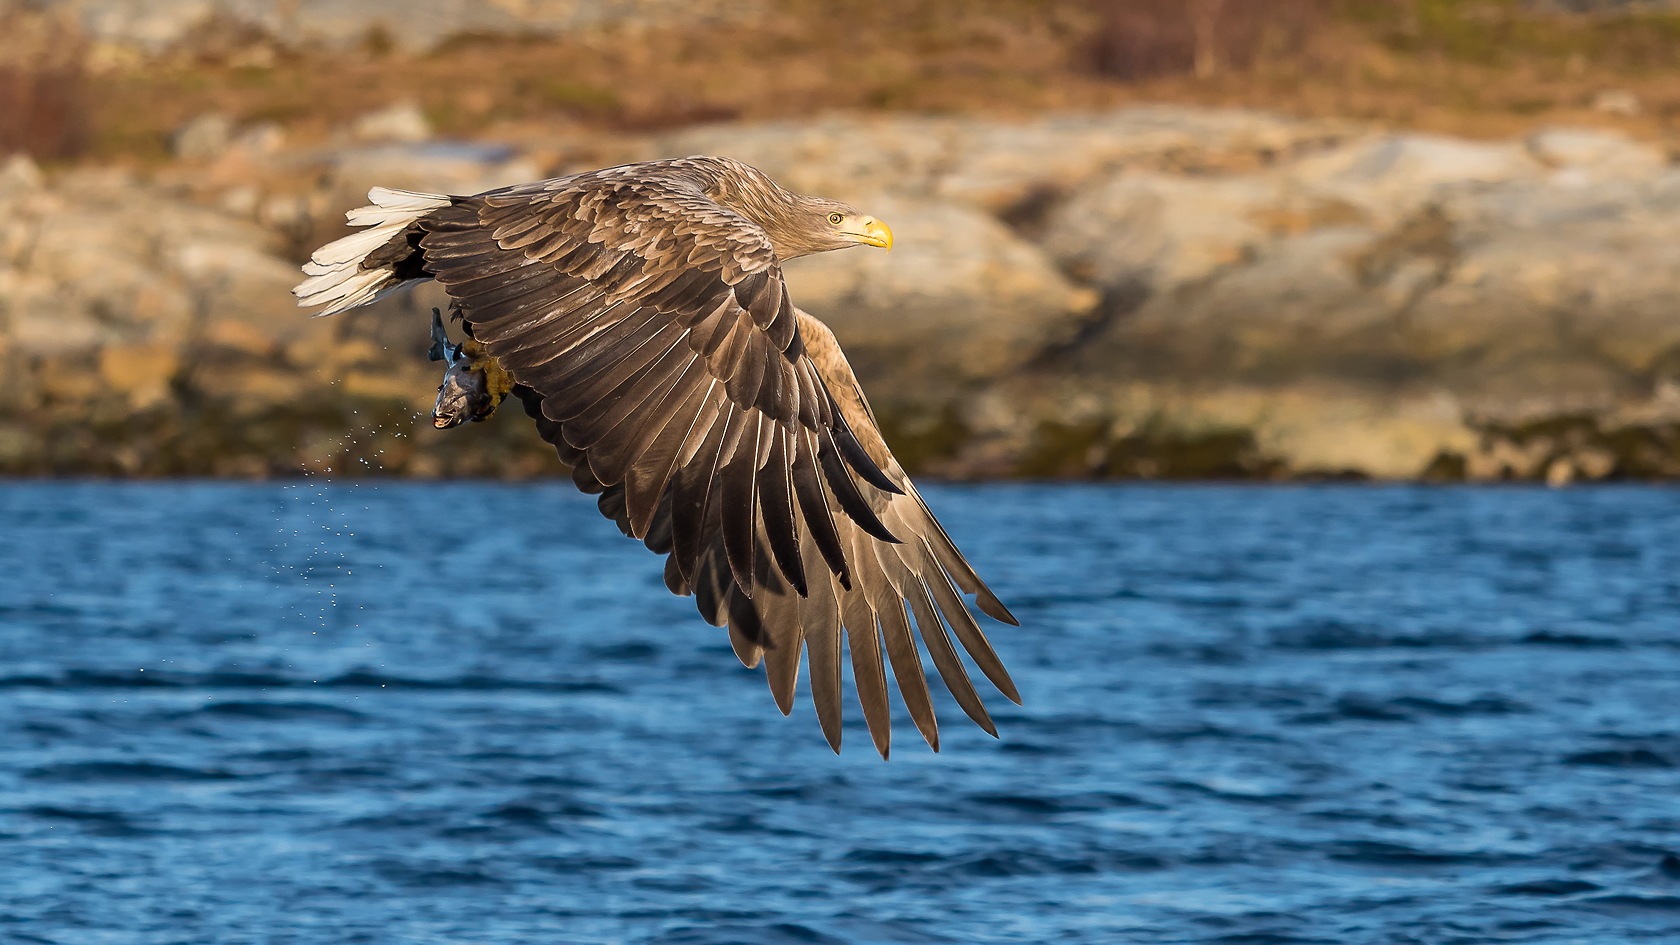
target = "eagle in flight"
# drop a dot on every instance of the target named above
(640, 315)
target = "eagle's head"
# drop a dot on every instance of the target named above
(798, 225)
(818, 224)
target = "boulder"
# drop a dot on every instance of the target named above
(149, 335)
(402, 122)
(958, 300)
(1162, 231)
(18, 173)
(1617, 102)
(1002, 166)
(1379, 280)
(1392, 177)
(998, 166)
(204, 138)
(1595, 151)
(100, 258)
(450, 167)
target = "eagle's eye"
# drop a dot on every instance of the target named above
(836, 218)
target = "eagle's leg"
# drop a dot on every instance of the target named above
(474, 384)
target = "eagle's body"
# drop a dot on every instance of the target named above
(641, 316)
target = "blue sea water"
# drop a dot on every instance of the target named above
(470, 713)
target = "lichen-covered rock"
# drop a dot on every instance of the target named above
(99, 260)
(1514, 282)
(148, 335)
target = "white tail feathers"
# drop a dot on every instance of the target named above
(336, 277)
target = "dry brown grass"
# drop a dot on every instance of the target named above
(1484, 69)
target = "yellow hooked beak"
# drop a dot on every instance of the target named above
(875, 233)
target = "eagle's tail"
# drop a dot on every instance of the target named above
(367, 266)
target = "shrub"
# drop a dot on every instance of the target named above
(43, 98)
(1142, 39)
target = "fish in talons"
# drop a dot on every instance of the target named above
(474, 384)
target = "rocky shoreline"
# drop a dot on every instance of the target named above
(1159, 292)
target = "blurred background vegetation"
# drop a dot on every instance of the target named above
(170, 163)
(1476, 67)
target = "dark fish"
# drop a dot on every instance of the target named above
(473, 386)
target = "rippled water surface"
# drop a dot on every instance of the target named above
(471, 713)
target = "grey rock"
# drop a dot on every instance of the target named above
(997, 165)
(1617, 102)
(204, 138)
(263, 139)
(1162, 231)
(402, 122)
(101, 261)
(1595, 151)
(443, 167)
(19, 173)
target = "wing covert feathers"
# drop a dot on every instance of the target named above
(650, 336)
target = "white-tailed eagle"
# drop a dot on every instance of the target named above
(639, 313)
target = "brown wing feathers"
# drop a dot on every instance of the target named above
(652, 339)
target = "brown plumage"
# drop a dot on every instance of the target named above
(641, 314)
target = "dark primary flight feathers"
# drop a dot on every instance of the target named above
(641, 315)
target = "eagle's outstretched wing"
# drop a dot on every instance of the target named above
(649, 332)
